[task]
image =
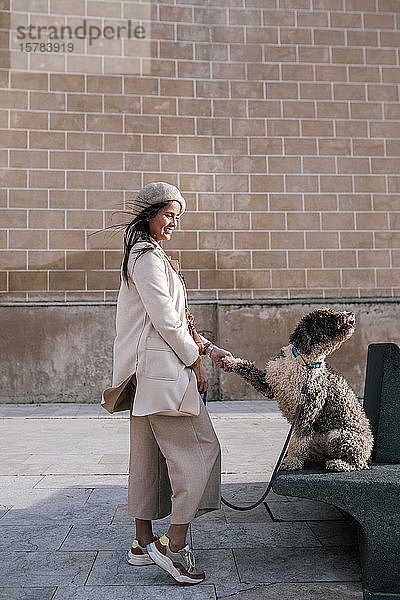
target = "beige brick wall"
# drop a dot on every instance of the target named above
(278, 119)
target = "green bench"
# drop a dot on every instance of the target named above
(371, 497)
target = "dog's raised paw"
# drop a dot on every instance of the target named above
(230, 362)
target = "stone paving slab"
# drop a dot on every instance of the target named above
(334, 533)
(227, 590)
(31, 593)
(252, 535)
(95, 410)
(294, 591)
(111, 568)
(247, 476)
(18, 484)
(113, 458)
(64, 482)
(67, 516)
(106, 537)
(73, 464)
(83, 481)
(32, 537)
(259, 514)
(68, 459)
(53, 410)
(215, 516)
(88, 441)
(140, 592)
(23, 469)
(42, 500)
(304, 510)
(19, 457)
(79, 437)
(249, 492)
(64, 506)
(32, 569)
(121, 516)
(79, 468)
(274, 565)
(108, 493)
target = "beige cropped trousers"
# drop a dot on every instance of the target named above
(175, 467)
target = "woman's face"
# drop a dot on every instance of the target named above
(162, 225)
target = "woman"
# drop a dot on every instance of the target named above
(175, 455)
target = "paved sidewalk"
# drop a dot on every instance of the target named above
(64, 527)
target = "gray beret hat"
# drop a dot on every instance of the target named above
(154, 193)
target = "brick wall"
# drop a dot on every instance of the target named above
(278, 119)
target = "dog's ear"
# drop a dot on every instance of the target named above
(301, 338)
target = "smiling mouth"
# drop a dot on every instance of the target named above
(168, 230)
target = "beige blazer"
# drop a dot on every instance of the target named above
(153, 346)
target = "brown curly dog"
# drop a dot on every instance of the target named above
(333, 426)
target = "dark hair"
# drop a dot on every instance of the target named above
(138, 231)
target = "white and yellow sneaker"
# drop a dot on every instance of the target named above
(181, 565)
(138, 555)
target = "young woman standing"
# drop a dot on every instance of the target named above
(158, 372)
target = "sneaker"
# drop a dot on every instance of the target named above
(181, 565)
(138, 555)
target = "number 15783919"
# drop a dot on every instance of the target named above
(46, 47)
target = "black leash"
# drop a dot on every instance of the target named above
(303, 395)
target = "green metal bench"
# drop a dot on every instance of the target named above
(372, 497)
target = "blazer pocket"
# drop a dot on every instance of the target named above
(156, 342)
(161, 364)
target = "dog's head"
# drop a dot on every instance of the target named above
(322, 331)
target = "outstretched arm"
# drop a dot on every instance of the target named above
(250, 373)
(216, 354)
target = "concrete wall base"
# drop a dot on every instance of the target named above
(63, 352)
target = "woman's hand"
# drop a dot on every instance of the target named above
(202, 379)
(217, 354)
